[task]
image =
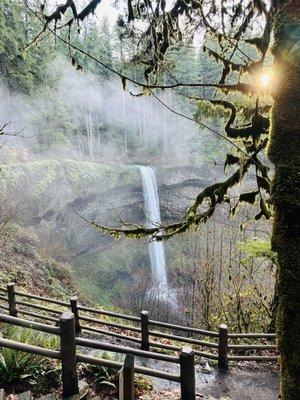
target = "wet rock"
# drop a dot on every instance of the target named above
(24, 396)
(50, 396)
(202, 361)
(214, 398)
(206, 369)
(83, 390)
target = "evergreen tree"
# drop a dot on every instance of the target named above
(22, 70)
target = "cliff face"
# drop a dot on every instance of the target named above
(49, 195)
(53, 198)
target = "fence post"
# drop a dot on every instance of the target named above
(12, 299)
(68, 354)
(145, 330)
(74, 309)
(126, 379)
(223, 347)
(187, 374)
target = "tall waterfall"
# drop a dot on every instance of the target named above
(156, 249)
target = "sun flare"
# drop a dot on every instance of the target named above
(264, 79)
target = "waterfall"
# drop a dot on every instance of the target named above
(156, 249)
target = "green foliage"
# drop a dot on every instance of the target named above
(98, 40)
(42, 176)
(61, 119)
(85, 175)
(22, 70)
(142, 385)
(245, 311)
(106, 378)
(257, 248)
(102, 377)
(103, 277)
(53, 122)
(21, 368)
(26, 264)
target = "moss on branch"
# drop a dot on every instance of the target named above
(209, 198)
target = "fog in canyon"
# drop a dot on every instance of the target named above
(88, 150)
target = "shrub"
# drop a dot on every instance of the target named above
(101, 376)
(22, 370)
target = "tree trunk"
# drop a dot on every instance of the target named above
(284, 152)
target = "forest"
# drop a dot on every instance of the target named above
(149, 158)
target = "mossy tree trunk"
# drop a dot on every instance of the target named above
(284, 152)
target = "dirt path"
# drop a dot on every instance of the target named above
(244, 381)
(247, 381)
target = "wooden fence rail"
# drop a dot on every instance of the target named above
(69, 358)
(140, 329)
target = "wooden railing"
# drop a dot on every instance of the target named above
(222, 345)
(69, 357)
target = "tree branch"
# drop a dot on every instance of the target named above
(215, 194)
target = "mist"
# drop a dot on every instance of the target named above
(73, 153)
(79, 115)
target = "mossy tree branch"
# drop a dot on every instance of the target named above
(209, 198)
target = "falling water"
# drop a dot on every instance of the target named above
(156, 249)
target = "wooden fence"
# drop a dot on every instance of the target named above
(78, 318)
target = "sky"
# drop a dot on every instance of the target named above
(104, 9)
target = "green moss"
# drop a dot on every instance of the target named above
(80, 175)
(85, 174)
(284, 152)
(37, 176)
(257, 248)
(41, 185)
